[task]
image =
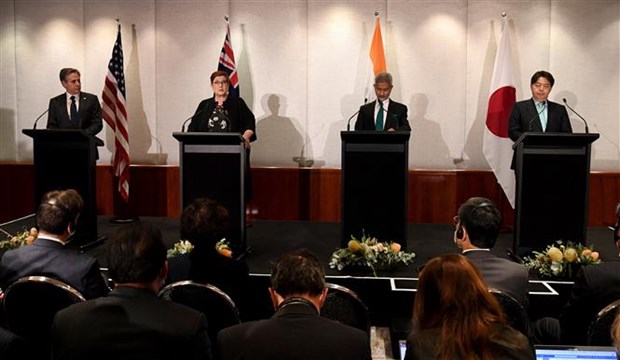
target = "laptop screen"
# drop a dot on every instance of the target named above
(575, 353)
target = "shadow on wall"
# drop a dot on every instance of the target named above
(426, 137)
(8, 140)
(140, 135)
(578, 126)
(279, 141)
(349, 105)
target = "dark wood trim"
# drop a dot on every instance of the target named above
(300, 193)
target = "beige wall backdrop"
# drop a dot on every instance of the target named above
(304, 69)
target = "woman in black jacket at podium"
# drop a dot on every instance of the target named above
(224, 113)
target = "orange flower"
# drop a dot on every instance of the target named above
(595, 255)
(555, 254)
(395, 247)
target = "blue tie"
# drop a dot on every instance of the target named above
(542, 116)
(379, 123)
(74, 114)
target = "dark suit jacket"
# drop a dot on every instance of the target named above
(229, 275)
(508, 343)
(524, 112)
(130, 323)
(596, 286)
(295, 331)
(501, 274)
(52, 259)
(89, 114)
(241, 117)
(396, 117)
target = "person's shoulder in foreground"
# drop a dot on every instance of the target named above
(132, 322)
(296, 330)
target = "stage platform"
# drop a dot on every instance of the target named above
(389, 296)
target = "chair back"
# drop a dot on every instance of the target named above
(599, 332)
(30, 304)
(344, 305)
(219, 309)
(516, 315)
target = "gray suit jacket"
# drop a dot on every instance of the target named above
(501, 274)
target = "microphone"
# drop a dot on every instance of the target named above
(357, 112)
(581, 117)
(37, 120)
(191, 117)
(529, 128)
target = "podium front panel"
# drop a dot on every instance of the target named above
(374, 189)
(552, 195)
(217, 172)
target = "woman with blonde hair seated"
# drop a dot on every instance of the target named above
(455, 316)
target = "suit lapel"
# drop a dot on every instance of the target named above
(61, 103)
(533, 114)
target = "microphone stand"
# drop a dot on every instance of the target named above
(576, 113)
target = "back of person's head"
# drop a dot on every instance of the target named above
(482, 220)
(204, 222)
(452, 296)
(58, 210)
(136, 254)
(297, 273)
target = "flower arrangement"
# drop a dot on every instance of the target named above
(368, 252)
(185, 247)
(179, 248)
(561, 261)
(25, 237)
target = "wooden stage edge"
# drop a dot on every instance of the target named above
(307, 194)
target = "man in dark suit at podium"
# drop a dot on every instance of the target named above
(538, 114)
(74, 109)
(382, 114)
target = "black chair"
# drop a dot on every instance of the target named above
(343, 305)
(30, 304)
(219, 309)
(515, 312)
(599, 332)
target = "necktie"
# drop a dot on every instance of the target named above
(379, 122)
(74, 114)
(542, 116)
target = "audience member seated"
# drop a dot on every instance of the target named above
(455, 316)
(477, 227)
(56, 218)
(296, 331)
(203, 223)
(131, 322)
(595, 287)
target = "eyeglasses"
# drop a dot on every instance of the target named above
(220, 83)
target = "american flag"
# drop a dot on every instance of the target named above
(227, 63)
(115, 115)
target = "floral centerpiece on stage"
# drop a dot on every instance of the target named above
(561, 261)
(25, 237)
(184, 247)
(370, 253)
(180, 247)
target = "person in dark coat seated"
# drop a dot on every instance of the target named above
(204, 222)
(296, 330)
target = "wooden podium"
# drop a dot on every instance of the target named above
(374, 185)
(553, 171)
(213, 165)
(66, 159)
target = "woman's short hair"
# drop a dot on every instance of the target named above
(219, 73)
